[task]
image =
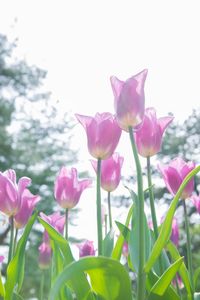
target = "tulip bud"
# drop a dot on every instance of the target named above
(44, 256)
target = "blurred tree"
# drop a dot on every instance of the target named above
(34, 140)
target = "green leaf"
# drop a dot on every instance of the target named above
(134, 238)
(2, 289)
(170, 293)
(79, 282)
(196, 275)
(124, 230)
(108, 243)
(164, 281)
(15, 270)
(117, 251)
(17, 297)
(109, 279)
(166, 227)
(183, 272)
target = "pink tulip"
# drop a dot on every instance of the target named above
(125, 250)
(86, 249)
(56, 220)
(175, 232)
(175, 173)
(11, 192)
(103, 134)
(68, 189)
(149, 136)
(110, 172)
(44, 256)
(129, 100)
(28, 204)
(196, 201)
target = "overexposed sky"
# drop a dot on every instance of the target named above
(82, 43)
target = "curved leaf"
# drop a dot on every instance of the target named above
(165, 231)
(183, 270)
(15, 270)
(117, 251)
(79, 282)
(164, 281)
(108, 277)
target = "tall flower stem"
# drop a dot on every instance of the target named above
(141, 274)
(15, 241)
(42, 285)
(109, 211)
(99, 223)
(152, 206)
(66, 222)
(10, 254)
(189, 254)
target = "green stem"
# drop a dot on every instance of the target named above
(106, 224)
(15, 241)
(66, 222)
(109, 211)
(141, 275)
(189, 254)
(10, 254)
(99, 223)
(152, 206)
(42, 285)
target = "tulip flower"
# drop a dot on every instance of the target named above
(175, 232)
(28, 204)
(196, 201)
(110, 172)
(149, 137)
(11, 192)
(44, 256)
(56, 220)
(1, 259)
(103, 134)
(129, 100)
(175, 173)
(68, 189)
(86, 249)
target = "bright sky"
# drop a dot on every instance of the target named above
(82, 43)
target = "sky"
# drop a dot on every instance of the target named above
(82, 43)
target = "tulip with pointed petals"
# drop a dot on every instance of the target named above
(28, 204)
(149, 137)
(110, 172)
(68, 188)
(11, 192)
(103, 134)
(175, 173)
(196, 201)
(44, 256)
(129, 100)
(86, 249)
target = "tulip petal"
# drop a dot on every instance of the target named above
(84, 120)
(164, 122)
